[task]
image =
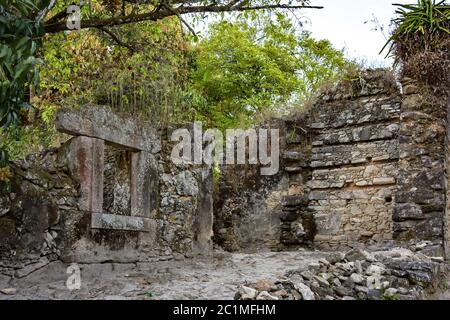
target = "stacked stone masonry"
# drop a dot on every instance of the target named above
(365, 164)
(108, 194)
(368, 159)
(420, 196)
(354, 167)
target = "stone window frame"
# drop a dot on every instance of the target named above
(87, 156)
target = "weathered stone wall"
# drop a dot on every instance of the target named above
(247, 205)
(42, 193)
(117, 181)
(253, 211)
(447, 184)
(365, 164)
(109, 194)
(420, 196)
(355, 161)
(186, 202)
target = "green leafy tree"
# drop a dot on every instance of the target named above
(245, 71)
(24, 22)
(18, 61)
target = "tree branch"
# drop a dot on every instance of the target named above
(41, 15)
(116, 39)
(175, 11)
(164, 13)
(57, 17)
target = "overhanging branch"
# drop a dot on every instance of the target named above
(117, 39)
(164, 13)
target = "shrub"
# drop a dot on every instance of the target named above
(420, 42)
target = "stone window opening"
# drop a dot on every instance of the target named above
(117, 181)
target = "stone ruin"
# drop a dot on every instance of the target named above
(110, 193)
(366, 165)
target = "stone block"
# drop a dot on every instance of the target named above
(118, 222)
(101, 123)
(407, 211)
(383, 181)
(295, 200)
(86, 161)
(328, 224)
(318, 184)
(144, 184)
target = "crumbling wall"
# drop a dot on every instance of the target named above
(253, 211)
(378, 163)
(247, 205)
(420, 197)
(41, 194)
(186, 202)
(447, 184)
(365, 164)
(355, 160)
(117, 181)
(111, 193)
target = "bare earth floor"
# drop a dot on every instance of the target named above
(214, 278)
(217, 277)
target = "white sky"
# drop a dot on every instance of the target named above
(342, 22)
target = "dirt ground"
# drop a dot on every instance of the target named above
(208, 278)
(217, 277)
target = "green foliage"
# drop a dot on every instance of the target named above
(245, 71)
(239, 74)
(145, 79)
(19, 42)
(420, 43)
(427, 19)
(18, 61)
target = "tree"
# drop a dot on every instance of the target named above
(245, 71)
(18, 62)
(24, 22)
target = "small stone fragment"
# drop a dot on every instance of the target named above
(357, 278)
(264, 295)
(246, 293)
(305, 291)
(9, 291)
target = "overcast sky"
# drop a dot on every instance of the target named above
(342, 22)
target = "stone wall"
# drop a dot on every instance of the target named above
(447, 184)
(42, 193)
(186, 202)
(365, 164)
(111, 193)
(247, 205)
(420, 196)
(253, 211)
(355, 161)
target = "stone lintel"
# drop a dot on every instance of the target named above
(102, 123)
(118, 222)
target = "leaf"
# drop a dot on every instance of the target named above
(22, 42)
